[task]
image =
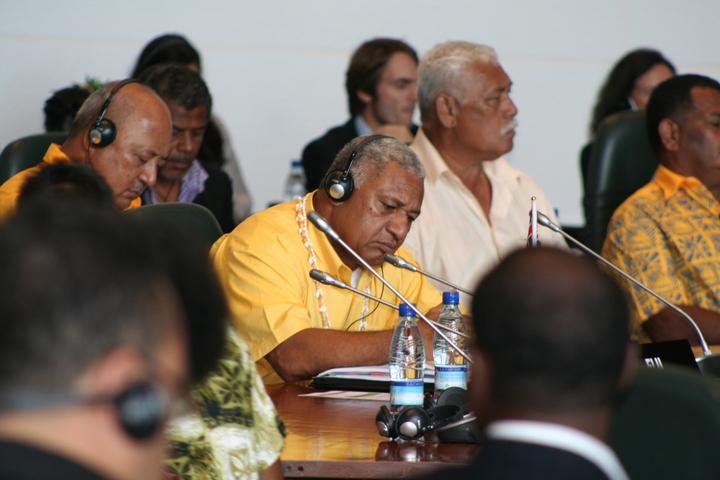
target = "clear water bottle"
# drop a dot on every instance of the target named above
(407, 362)
(450, 366)
(295, 184)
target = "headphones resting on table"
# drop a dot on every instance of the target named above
(413, 422)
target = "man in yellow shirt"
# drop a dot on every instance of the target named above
(123, 131)
(667, 235)
(296, 327)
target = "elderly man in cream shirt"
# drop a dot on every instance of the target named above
(476, 205)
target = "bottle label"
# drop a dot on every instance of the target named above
(447, 376)
(406, 392)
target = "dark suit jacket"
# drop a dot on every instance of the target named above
(218, 197)
(523, 461)
(319, 154)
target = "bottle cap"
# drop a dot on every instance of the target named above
(451, 298)
(296, 163)
(406, 311)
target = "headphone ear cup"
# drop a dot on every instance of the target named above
(141, 410)
(339, 185)
(412, 422)
(385, 422)
(442, 415)
(102, 133)
(454, 396)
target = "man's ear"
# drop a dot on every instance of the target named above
(118, 369)
(669, 134)
(447, 110)
(364, 96)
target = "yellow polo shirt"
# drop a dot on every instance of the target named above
(263, 266)
(667, 236)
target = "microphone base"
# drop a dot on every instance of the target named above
(710, 365)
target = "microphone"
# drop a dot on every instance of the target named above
(710, 363)
(327, 279)
(400, 262)
(322, 225)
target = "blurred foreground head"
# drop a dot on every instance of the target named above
(105, 322)
(551, 334)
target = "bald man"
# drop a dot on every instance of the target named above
(128, 161)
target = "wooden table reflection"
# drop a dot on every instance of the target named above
(337, 438)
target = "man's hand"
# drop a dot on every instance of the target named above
(396, 130)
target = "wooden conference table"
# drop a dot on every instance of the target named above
(337, 438)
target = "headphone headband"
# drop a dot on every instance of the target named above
(339, 183)
(103, 131)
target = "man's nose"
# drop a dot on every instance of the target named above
(148, 174)
(511, 108)
(414, 92)
(185, 142)
(399, 226)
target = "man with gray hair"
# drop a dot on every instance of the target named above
(296, 327)
(476, 205)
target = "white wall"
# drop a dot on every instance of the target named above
(276, 67)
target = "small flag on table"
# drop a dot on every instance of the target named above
(533, 236)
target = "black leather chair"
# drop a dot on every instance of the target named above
(668, 425)
(194, 218)
(621, 162)
(26, 152)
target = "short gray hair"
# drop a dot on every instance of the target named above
(446, 69)
(374, 156)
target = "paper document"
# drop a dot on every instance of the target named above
(380, 373)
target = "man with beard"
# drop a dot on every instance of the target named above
(476, 205)
(183, 178)
(122, 131)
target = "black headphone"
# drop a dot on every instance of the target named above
(141, 409)
(103, 131)
(339, 183)
(413, 422)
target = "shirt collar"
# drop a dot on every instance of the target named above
(193, 183)
(431, 158)
(55, 154)
(361, 126)
(560, 437)
(498, 170)
(669, 181)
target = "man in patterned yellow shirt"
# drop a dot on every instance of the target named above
(667, 235)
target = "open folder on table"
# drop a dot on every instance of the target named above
(375, 378)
